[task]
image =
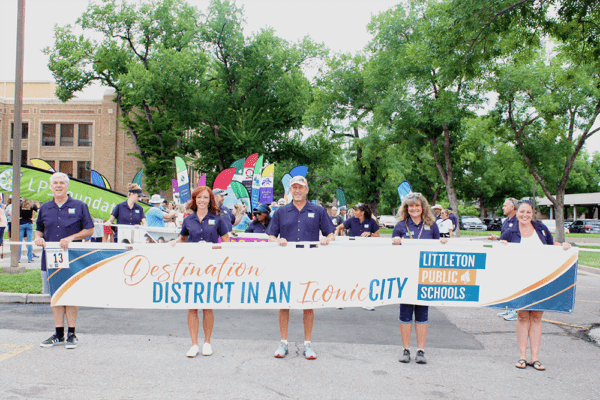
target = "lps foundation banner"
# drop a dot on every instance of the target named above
(35, 185)
(345, 273)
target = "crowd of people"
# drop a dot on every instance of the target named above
(205, 218)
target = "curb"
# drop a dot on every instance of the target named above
(589, 269)
(23, 298)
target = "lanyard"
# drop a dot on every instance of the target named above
(410, 234)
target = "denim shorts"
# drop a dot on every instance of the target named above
(407, 310)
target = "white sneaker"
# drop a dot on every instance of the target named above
(206, 349)
(369, 308)
(193, 351)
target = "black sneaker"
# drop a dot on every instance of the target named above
(71, 342)
(420, 358)
(52, 341)
(405, 357)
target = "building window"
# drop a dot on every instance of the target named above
(48, 134)
(23, 157)
(66, 135)
(85, 135)
(25, 128)
(66, 167)
(84, 171)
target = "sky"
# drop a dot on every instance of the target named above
(340, 24)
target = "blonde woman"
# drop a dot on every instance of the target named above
(415, 221)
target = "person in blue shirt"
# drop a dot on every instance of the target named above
(129, 212)
(229, 218)
(299, 221)
(415, 221)
(203, 225)
(454, 219)
(509, 208)
(362, 224)
(529, 322)
(155, 216)
(238, 209)
(62, 220)
(261, 222)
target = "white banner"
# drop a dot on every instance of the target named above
(345, 273)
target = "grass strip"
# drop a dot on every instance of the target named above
(29, 281)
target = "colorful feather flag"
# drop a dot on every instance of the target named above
(41, 164)
(340, 197)
(256, 177)
(249, 171)
(266, 185)
(183, 180)
(404, 189)
(137, 179)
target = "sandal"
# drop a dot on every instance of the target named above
(537, 366)
(521, 364)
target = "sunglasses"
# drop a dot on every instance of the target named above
(413, 194)
(360, 206)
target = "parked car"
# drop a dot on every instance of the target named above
(592, 226)
(551, 224)
(577, 226)
(493, 224)
(472, 224)
(387, 221)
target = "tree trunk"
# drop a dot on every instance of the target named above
(559, 215)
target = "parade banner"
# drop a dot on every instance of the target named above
(345, 273)
(35, 185)
(183, 180)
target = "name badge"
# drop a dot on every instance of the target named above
(72, 211)
(57, 258)
(311, 215)
(510, 225)
(137, 211)
(211, 221)
(366, 226)
(427, 228)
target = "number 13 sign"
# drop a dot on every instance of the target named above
(57, 258)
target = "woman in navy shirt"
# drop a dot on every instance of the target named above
(361, 224)
(129, 212)
(203, 225)
(529, 322)
(415, 221)
(261, 222)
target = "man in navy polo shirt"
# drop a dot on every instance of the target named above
(226, 215)
(299, 221)
(454, 220)
(62, 220)
(509, 208)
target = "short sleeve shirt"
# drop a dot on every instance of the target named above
(454, 220)
(227, 217)
(355, 228)
(300, 225)
(444, 225)
(128, 216)
(420, 231)
(210, 229)
(508, 223)
(57, 223)
(243, 223)
(256, 227)
(155, 217)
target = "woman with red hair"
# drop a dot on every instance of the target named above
(203, 225)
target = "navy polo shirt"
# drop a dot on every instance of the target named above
(256, 227)
(419, 231)
(454, 220)
(355, 228)
(210, 229)
(509, 223)
(513, 235)
(227, 217)
(300, 226)
(128, 216)
(57, 223)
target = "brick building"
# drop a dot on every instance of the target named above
(74, 137)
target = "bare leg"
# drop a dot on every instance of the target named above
(193, 324)
(309, 319)
(284, 319)
(405, 330)
(208, 322)
(421, 330)
(71, 312)
(59, 316)
(523, 332)
(535, 333)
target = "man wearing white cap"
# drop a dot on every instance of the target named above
(437, 210)
(227, 216)
(155, 216)
(299, 221)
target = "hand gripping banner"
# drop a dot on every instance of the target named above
(349, 273)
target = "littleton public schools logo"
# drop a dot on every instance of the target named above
(6, 179)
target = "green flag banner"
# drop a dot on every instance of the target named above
(35, 185)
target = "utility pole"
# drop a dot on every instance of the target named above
(17, 137)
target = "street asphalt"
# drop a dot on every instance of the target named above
(140, 354)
